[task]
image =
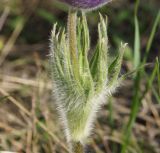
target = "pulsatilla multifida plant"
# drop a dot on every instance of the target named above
(81, 85)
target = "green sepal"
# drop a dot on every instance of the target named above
(99, 62)
(115, 67)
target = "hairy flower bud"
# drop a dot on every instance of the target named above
(80, 94)
(86, 4)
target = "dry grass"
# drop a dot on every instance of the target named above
(28, 124)
(28, 120)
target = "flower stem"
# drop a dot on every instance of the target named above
(77, 147)
(72, 36)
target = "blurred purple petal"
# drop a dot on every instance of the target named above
(86, 4)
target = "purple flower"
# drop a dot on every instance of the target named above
(86, 4)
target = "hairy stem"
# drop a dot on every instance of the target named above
(77, 147)
(72, 36)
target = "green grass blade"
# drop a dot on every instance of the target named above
(153, 32)
(156, 95)
(137, 38)
(134, 111)
(136, 95)
(158, 74)
(150, 81)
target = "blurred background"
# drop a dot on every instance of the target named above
(129, 123)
